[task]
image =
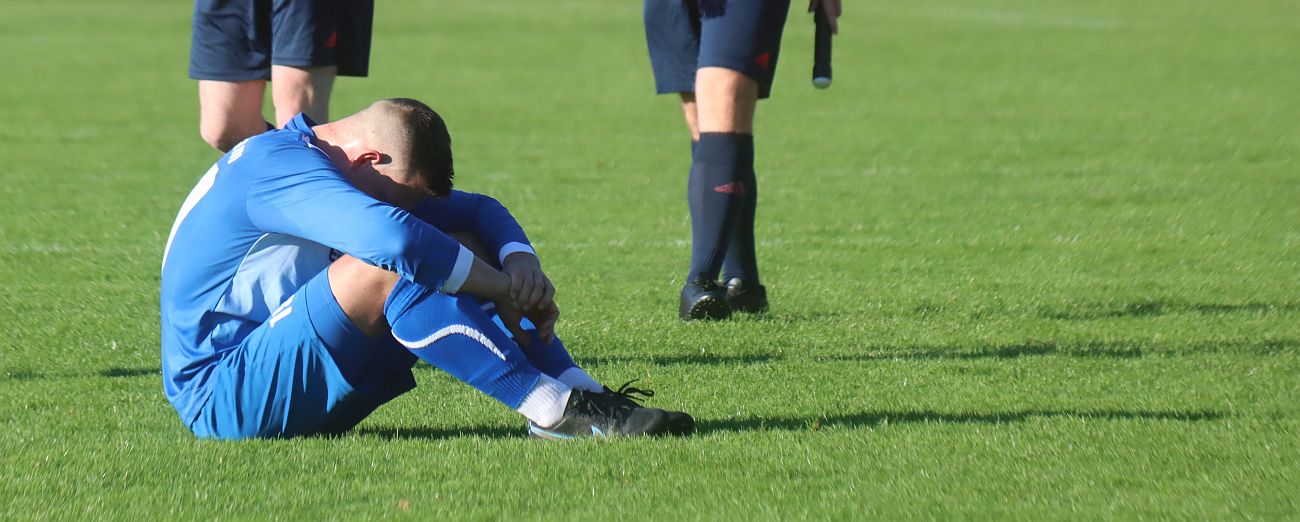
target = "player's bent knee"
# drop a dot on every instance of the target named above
(361, 291)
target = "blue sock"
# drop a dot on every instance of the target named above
(714, 193)
(741, 260)
(552, 359)
(454, 334)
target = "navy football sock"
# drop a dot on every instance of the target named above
(714, 193)
(454, 334)
(741, 260)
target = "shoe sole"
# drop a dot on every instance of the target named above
(538, 432)
(710, 308)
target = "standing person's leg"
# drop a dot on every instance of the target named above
(230, 56)
(229, 112)
(313, 41)
(673, 32)
(301, 89)
(738, 54)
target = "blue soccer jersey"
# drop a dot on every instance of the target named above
(271, 214)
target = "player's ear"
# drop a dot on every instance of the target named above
(369, 156)
(372, 157)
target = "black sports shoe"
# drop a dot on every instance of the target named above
(748, 300)
(590, 414)
(703, 300)
(679, 423)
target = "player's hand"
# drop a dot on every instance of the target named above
(510, 316)
(530, 289)
(544, 319)
(833, 9)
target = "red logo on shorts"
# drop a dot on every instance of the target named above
(333, 40)
(731, 188)
(764, 60)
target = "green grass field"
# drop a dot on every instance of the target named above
(1028, 260)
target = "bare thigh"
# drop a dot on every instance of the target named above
(725, 100)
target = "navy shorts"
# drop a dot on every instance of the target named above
(237, 40)
(306, 371)
(686, 35)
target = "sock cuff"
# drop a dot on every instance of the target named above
(545, 403)
(725, 147)
(581, 380)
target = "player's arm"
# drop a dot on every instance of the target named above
(484, 280)
(498, 232)
(480, 215)
(316, 203)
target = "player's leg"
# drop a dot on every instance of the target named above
(229, 112)
(448, 332)
(739, 47)
(553, 360)
(692, 119)
(324, 358)
(672, 31)
(550, 358)
(302, 89)
(229, 55)
(308, 369)
(454, 334)
(717, 186)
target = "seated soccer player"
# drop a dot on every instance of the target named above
(311, 267)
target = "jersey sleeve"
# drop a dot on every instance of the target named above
(313, 201)
(486, 217)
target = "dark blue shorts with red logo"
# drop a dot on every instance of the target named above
(236, 40)
(741, 35)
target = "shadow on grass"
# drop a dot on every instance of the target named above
(130, 372)
(1007, 351)
(30, 375)
(425, 432)
(1159, 307)
(883, 418)
(852, 420)
(675, 360)
(1114, 349)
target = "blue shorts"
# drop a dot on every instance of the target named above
(307, 370)
(686, 35)
(238, 40)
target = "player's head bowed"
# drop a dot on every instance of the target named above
(396, 150)
(422, 135)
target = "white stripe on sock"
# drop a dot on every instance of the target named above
(452, 330)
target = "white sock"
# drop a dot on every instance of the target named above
(579, 379)
(544, 404)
